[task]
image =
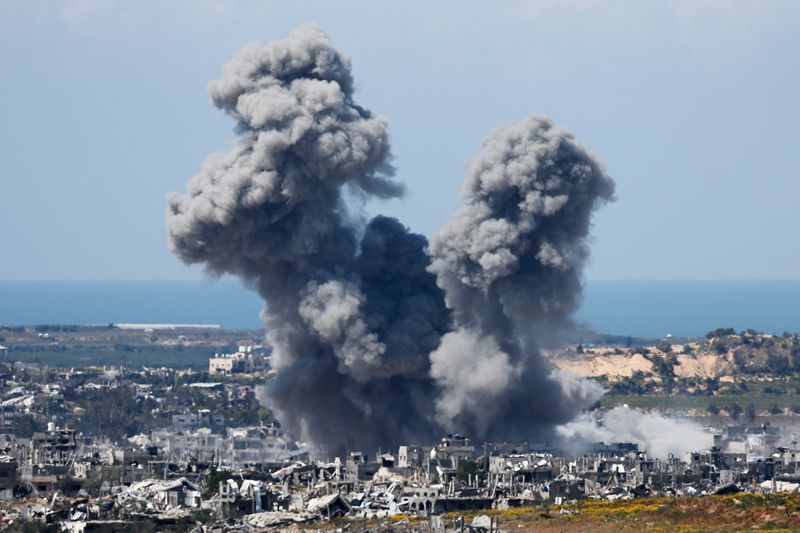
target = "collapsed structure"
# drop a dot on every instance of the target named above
(201, 462)
(150, 484)
(367, 317)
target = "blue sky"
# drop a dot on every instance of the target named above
(691, 104)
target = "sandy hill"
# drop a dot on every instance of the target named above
(722, 353)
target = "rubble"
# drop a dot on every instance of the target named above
(273, 519)
(199, 465)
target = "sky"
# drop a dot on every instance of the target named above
(691, 104)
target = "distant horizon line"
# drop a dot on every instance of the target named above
(229, 279)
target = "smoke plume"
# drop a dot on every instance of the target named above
(510, 263)
(378, 336)
(658, 434)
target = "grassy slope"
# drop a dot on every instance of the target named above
(740, 512)
(681, 402)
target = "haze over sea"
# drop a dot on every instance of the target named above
(637, 308)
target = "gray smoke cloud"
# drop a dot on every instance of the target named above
(510, 263)
(380, 337)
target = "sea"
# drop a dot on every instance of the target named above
(636, 308)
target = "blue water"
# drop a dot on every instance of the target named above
(691, 308)
(224, 302)
(637, 308)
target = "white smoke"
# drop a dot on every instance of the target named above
(657, 434)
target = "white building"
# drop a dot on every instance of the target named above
(247, 360)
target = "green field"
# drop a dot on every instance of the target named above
(189, 357)
(684, 402)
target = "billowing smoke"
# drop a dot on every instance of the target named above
(378, 336)
(659, 435)
(510, 262)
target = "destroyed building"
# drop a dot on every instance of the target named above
(8, 477)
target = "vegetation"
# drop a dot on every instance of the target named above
(727, 402)
(214, 479)
(466, 470)
(107, 345)
(720, 332)
(26, 425)
(738, 512)
(761, 375)
(117, 413)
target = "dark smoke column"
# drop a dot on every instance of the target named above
(510, 262)
(351, 331)
(375, 341)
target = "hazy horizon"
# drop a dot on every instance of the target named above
(641, 308)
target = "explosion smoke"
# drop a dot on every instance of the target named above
(510, 263)
(384, 339)
(660, 435)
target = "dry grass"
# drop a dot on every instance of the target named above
(740, 512)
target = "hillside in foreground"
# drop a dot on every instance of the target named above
(737, 512)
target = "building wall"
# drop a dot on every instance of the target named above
(8, 479)
(220, 366)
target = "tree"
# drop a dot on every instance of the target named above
(744, 339)
(665, 367)
(719, 347)
(26, 425)
(775, 410)
(720, 332)
(94, 481)
(751, 412)
(712, 385)
(122, 414)
(214, 479)
(713, 409)
(778, 364)
(735, 411)
(466, 470)
(664, 346)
